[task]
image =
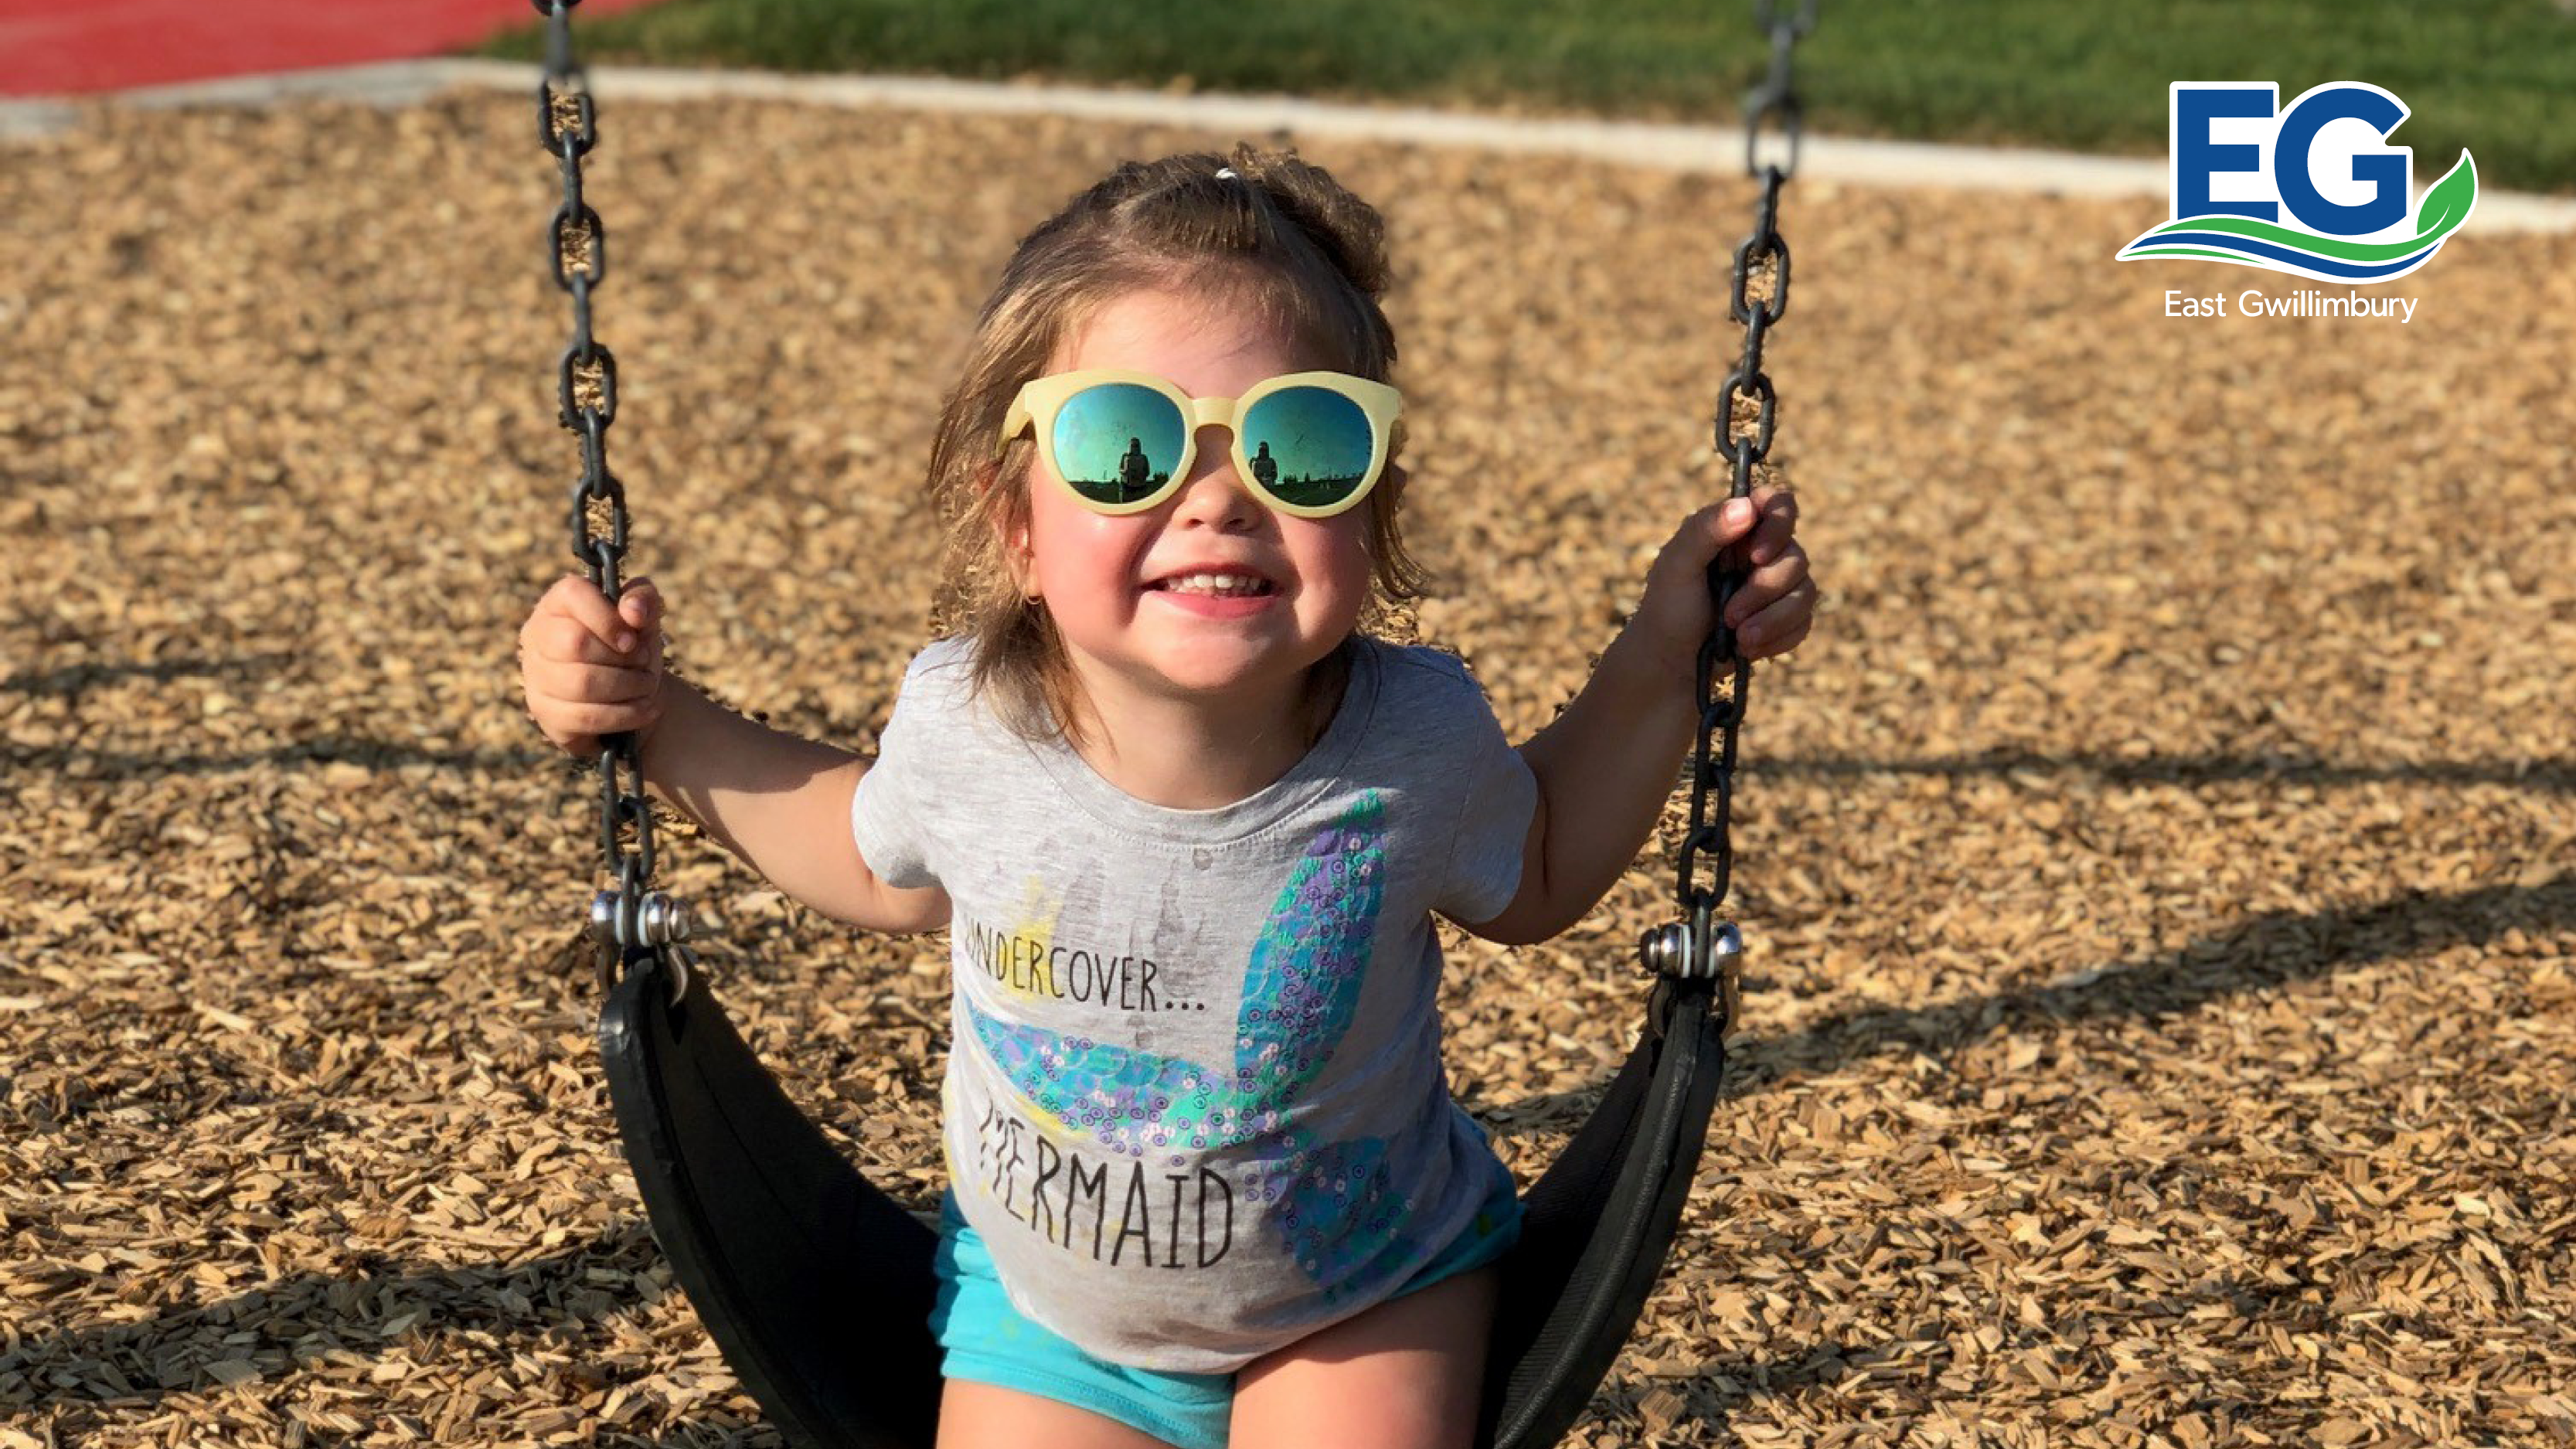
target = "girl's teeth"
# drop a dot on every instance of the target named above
(1216, 584)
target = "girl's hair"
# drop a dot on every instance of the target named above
(1280, 239)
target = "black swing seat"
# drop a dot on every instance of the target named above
(817, 1286)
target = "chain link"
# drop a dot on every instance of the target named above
(1747, 390)
(586, 401)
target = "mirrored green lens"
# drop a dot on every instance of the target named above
(1117, 442)
(1309, 446)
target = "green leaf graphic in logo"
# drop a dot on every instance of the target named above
(2446, 204)
(2447, 201)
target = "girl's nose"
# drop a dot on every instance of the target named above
(1215, 494)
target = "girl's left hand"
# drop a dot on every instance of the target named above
(1773, 607)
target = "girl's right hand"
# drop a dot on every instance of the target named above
(589, 669)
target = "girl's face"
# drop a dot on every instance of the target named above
(1107, 580)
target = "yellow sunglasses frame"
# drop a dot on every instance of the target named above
(1040, 399)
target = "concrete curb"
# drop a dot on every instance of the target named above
(1631, 143)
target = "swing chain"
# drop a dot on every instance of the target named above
(1701, 945)
(632, 920)
(1777, 95)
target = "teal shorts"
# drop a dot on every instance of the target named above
(987, 1341)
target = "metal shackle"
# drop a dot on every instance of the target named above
(1666, 951)
(659, 920)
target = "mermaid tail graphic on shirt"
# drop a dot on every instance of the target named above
(1299, 992)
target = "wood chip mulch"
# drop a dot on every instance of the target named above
(2157, 864)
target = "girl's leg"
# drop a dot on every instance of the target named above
(1009, 1383)
(987, 1416)
(1406, 1374)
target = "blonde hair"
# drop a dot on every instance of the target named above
(1279, 237)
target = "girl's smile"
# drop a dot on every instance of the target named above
(1227, 605)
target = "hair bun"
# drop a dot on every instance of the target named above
(1348, 230)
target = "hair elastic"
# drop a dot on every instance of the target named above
(1260, 195)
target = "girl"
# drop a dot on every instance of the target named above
(1187, 822)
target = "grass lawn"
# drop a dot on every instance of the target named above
(2497, 77)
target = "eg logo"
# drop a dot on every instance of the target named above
(2316, 193)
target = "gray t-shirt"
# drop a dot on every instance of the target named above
(1195, 1103)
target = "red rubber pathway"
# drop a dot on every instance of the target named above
(58, 47)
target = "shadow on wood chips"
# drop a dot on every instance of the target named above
(2157, 864)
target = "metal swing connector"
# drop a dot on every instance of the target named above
(659, 925)
(1667, 951)
(660, 928)
(659, 920)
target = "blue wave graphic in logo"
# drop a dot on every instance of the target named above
(2212, 246)
(2252, 243)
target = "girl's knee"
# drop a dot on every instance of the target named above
(1407, 1374)
(975, 1415)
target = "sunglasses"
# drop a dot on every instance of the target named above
(1312, 443)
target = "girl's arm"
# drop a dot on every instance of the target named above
(782, 804)
(1605, 768)
(1606, 765)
